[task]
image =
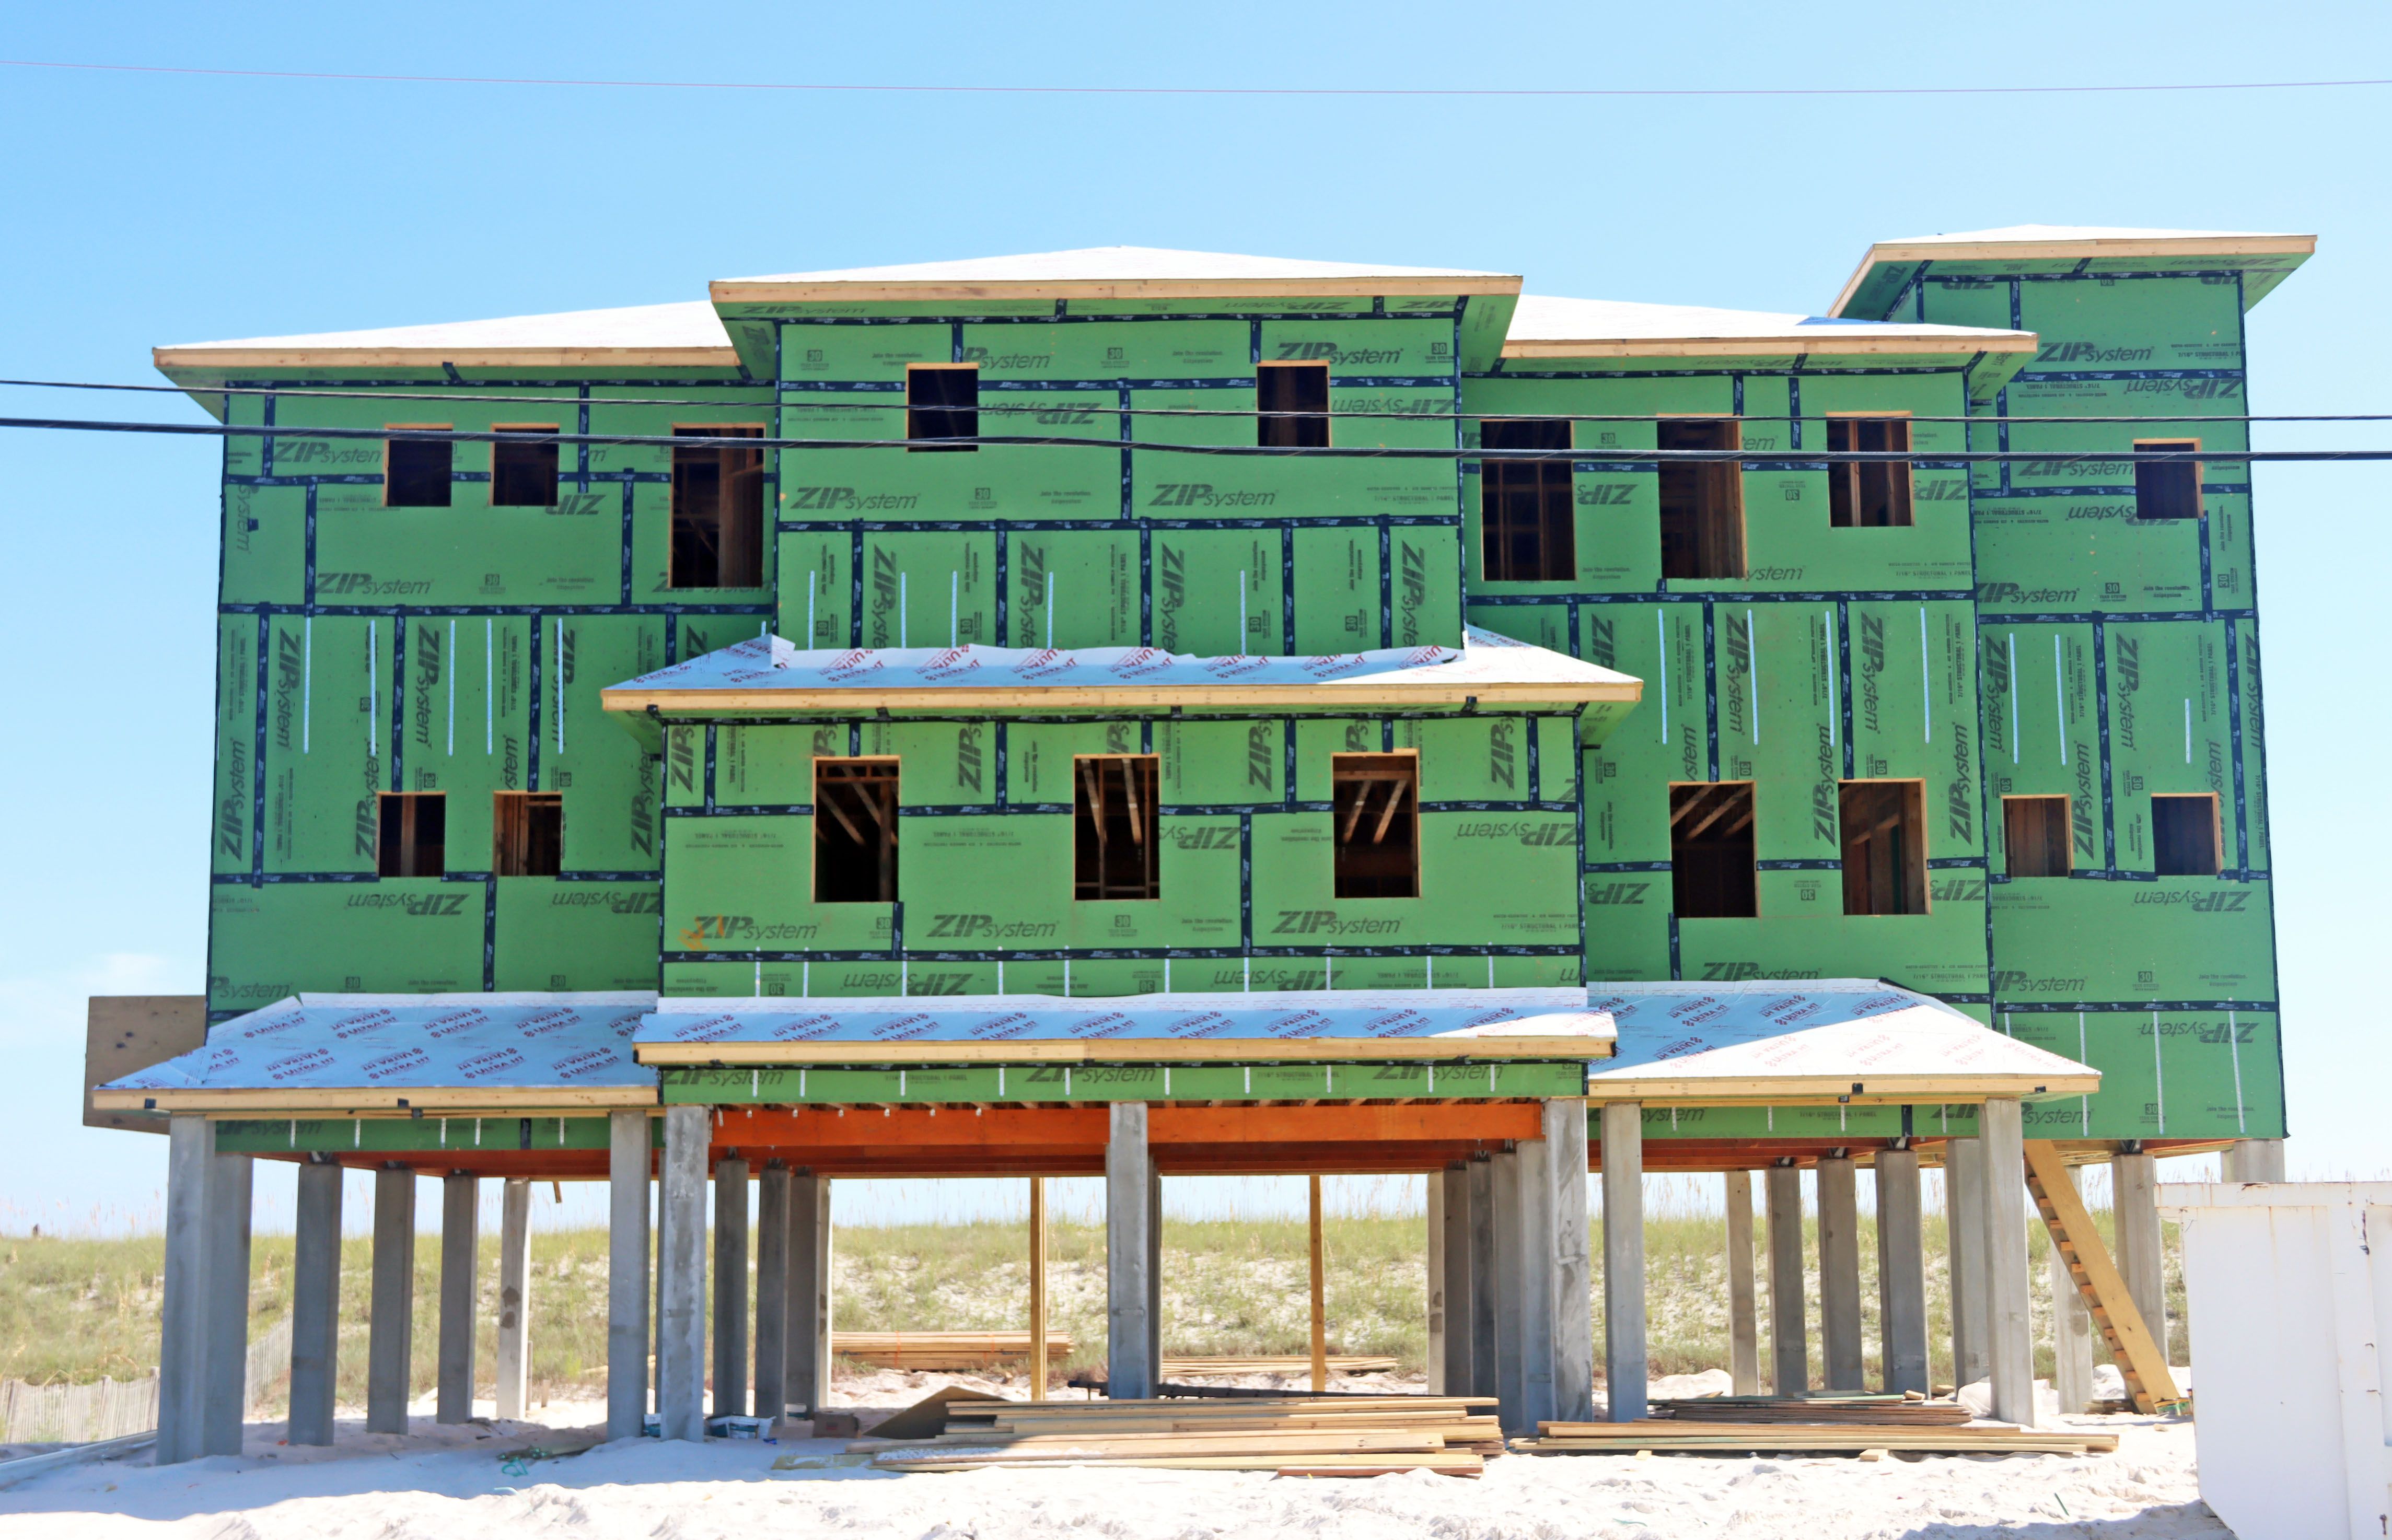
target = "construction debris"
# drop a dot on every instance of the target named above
(943, 1349)
(1291, 1436)
(1673, 1436)
(1220, 1367)
(1894, 1411)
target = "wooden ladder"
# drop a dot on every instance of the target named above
(2121, 1325)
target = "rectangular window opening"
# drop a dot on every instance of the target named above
(1113, 826)
(415, 472)
(942, 402)
(1885, 847)
(527, 834)
(1374, 811)
(855, 831)
(1868, 495)
(1702, 501)
(1291, 406)
(2035, 837)
(1711, 850)
(1528, 520)
(2184, 836)
(2167, 488)
(718, 510)
(523, 475)
(414, 834)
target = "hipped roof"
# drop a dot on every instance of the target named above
(1890, 264)
(1113, 272)
(1548, 327)
(771, 674)
(687, 334)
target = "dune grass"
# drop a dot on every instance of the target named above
(75, 1310)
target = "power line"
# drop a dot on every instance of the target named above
(987, 406)
(1268, 451)
(1328, 91)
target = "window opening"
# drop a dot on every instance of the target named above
(1868, 494)
(855, 831)
(1113, 827)
(1885, 847)
(1374, 811)
(523, 475)
(2035, 837)
(415, 472)
(1711, 850)
(414, 834)
(1525, 514)
(2184, 836)
(1702, 501)
(527, 834)
(1291, 406)
(942, 401)
(718, 510)
(2167, 488)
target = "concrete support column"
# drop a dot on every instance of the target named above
(809, 1303)
(1790, 1346)
(1624, 1357)
(2253, 1160)
(2135, 1195)
(1573, 1286)
(461, 1239)
(1434, 1272)
(1840, 1275)
(183, 1318)
(1901, 1271)
(2008, 1319)
(681, 1274)
(1483, 1298)
(772, 1290)
(515, 1298)
(1452, 1185)
(2072, 1327)
(390, 1328)
(626, 1273)
(315, 1305)
(230, 1189)
(1130, 1370)
(731, 1286)
(1964, 1188)
(1511, 1395)
(1536, 1281)
(1153, 1269)
(1743, 1318)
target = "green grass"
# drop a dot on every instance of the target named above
(75, 1309)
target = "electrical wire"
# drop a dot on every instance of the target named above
(987, 406)
(1268, 451)
(1325, 91)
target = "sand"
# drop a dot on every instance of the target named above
(505, 1481)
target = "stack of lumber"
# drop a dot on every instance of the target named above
(942, 1350)
(1701, 1436)
(1843, 1411)
(1206, 1369)
(1291, 1435)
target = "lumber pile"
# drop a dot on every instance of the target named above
(1697, 1436)
(1205, 1368)
(942, 1350)
(1893, 1411)
(1291, 1435)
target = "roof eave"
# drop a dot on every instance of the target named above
(756, 291)
(374, 1101)
(168, 360)
(1041, 696)
(2055, 251)
(1772, 347)
(1122, 1051)
(1877, 1089)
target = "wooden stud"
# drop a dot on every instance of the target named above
(1038, 1289)
(1320, 1304)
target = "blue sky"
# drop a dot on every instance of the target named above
(146, 209)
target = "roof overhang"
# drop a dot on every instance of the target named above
(1890, 259)
(1803, 346)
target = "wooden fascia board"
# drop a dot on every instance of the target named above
(1296, 698)
(1775, 347)
(168, 360)
(486, 1101)
(2096, 248)
(740, 292)
(1120, 1051)
(1812, 1090)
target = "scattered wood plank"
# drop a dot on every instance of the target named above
(1306, 1435)
(1199, 1368)
(943, 1349)
(1626, 1438)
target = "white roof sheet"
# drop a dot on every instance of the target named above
(688, 324)
(772, 663)
(1548, 318)
(1114, 264)
(2040, 234)
(1838, 1029)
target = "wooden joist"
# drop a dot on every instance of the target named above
(943, 1349)
(1199, 1369)
(1630, 1438)
(2145, 1369)
(1876, 1412)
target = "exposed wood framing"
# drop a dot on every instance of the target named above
(2140, 1362)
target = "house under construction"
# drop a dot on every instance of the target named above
(1153, 713)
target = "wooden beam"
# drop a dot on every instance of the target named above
(2140, 1362)
(1320, 1304)
(1138, 1051)
(1038, 1289)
